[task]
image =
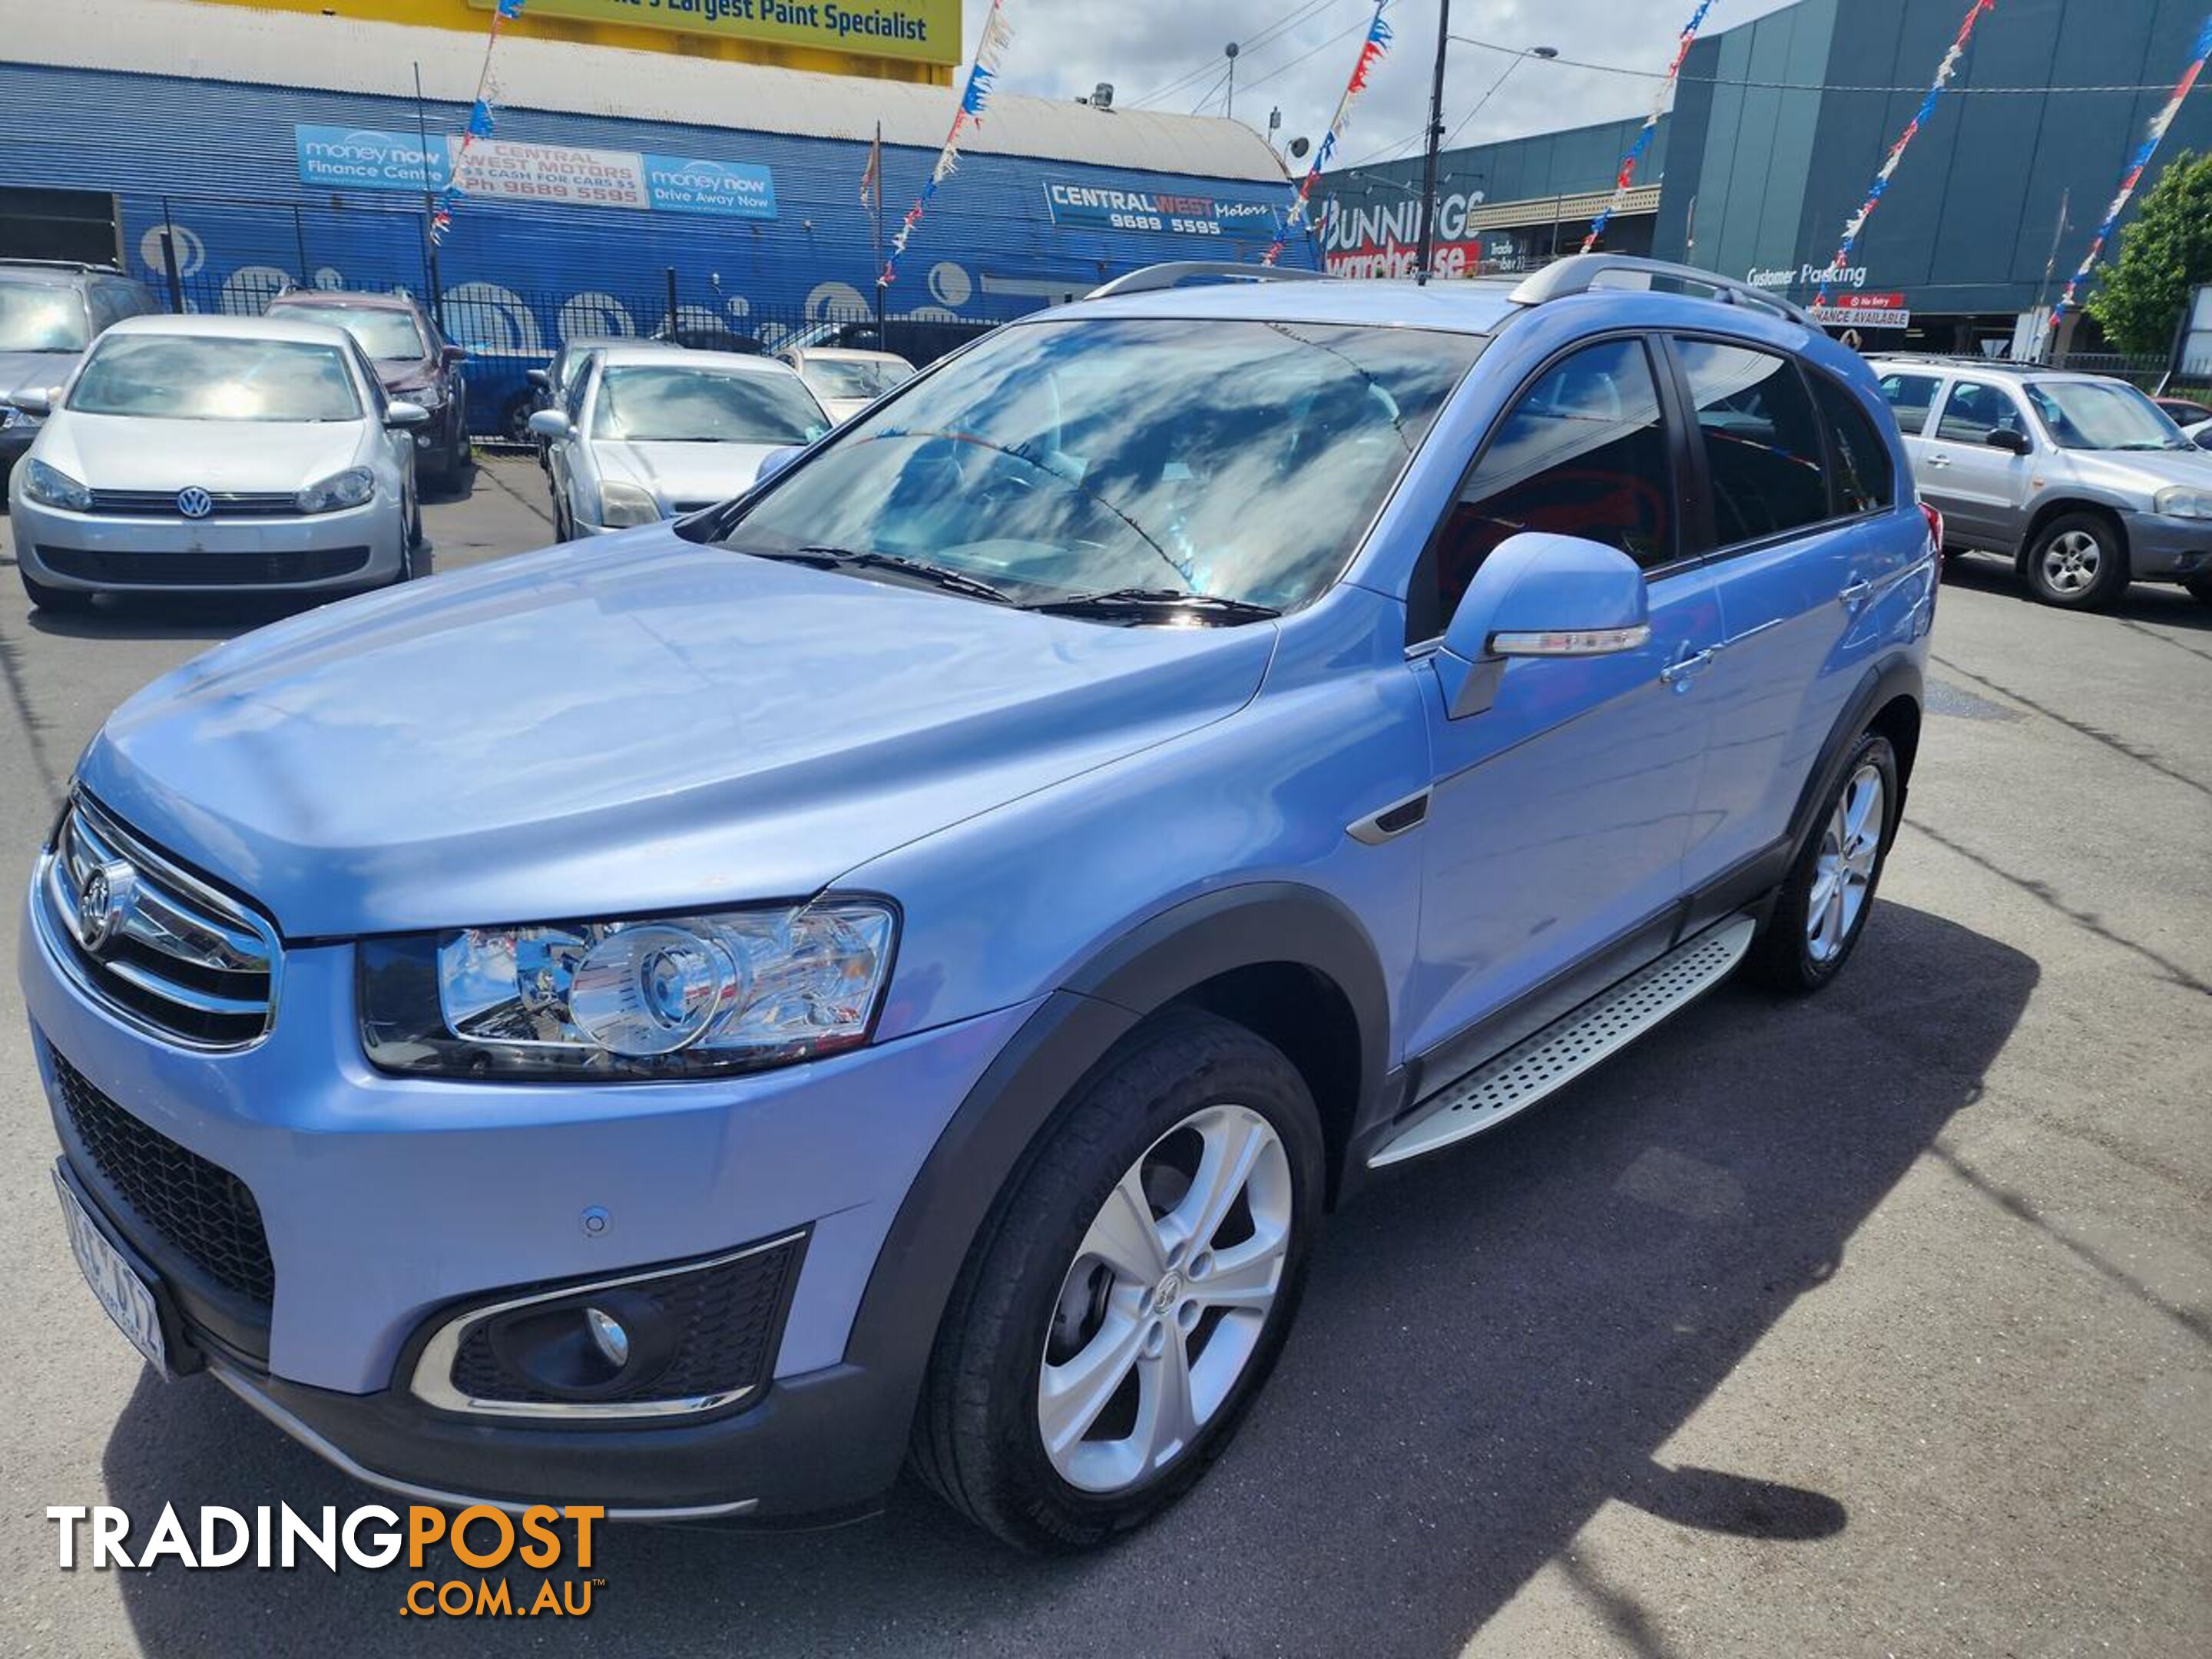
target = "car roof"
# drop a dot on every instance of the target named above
(650, 351)
(348, 300)
(51, 273)
(201, 327)
(1459, 305)
(848, 355)
(2001, 367)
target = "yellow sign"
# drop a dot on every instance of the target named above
(920, 31)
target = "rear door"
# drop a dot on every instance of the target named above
(1912, 397)
(1985, 490)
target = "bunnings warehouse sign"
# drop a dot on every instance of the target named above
(1096, 208)
(921, 31)
(356, 158)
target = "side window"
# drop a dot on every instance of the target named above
(1863, 476)
(579, 380)
(103, 301)
(1974, 410)
(140, 300)
(1583, 453)
(1762, 440)
(1911, 396)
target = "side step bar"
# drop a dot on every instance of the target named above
(1554, 1057)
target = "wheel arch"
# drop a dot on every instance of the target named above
(2059, 507)
(1887, 699)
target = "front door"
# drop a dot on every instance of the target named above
(1981, 490)
(1557, 815)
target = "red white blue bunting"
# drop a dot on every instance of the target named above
(1372, 49)
(975, 98)
(483, 117)
(1650, 127)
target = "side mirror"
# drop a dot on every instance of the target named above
(775, 460)
(2204, 438)
(1539, 595)
(454, 354)
(2013, 443)
(549, 423)
(400, 413)
(41, 402)
(542, 379)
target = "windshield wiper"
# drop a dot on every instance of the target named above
(1141, 601)
(839, 558)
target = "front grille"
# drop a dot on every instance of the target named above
(160, 946)
(200, 1209)
(158, 570)
(227, 504)
(729, 1314)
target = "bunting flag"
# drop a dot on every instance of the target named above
(975, 98)
(1372, 49)
(1944, 71)
(2136, 167)
(483, 117)
(1650, 128)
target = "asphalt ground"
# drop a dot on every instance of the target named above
(1872, 1324)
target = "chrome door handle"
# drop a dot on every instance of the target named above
(1675, 672)
(1938, 461)
(1855, 596)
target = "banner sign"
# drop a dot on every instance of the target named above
(1863, 311)
(358, 158)
(1092, 207)
(919, 31)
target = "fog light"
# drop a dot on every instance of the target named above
(607, 1331)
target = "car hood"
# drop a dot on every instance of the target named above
(842, 410)
(683, 472)
(2142, 469)
(113, 452)
(34, 371)
(633, 724)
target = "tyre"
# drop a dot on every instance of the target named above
(2077, 561)
(56, 601)
(1829, 892)
(2199, 590)
(1131, 1292)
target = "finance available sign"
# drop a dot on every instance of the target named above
(1863, 311)
(358, 158)
(919, 31)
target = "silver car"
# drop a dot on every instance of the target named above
(50, 311)
(649, 432)
(2082, 481)
(845, 380)
(215, 453)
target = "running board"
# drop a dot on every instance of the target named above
(1554, 1057)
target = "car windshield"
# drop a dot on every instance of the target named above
(41, 317)
(2103, 415)
(1238, 459)
(856, 377)
(387, 334)
(686, 405)
(183, 378)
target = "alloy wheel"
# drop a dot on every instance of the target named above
(1843, 873)
(1164, 1303)
(2071, 560)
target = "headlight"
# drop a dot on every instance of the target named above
(52, 487)
(660, 997)
(2183, 501)
(622, 505)
(341, 489)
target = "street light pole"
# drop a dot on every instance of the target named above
(1427, 247)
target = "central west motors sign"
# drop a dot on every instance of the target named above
(919, 31)
(356, 158)
(1094, 207)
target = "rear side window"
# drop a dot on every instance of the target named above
(1974, 410)
(1911, 396)
(1864, 479)
(1762, 442)
(1583, 453)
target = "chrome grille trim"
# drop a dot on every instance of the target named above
(185, 962)
(227, 504)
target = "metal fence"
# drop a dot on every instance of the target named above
(2153, 374)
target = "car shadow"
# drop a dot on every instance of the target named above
(2164, 603)
(213, 617)
(1495, 1341)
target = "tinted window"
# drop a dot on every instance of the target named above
(1762, 442)
(1863, 475)
(689, 406)
(1584, 454)
(1974, 410)
(209, 378)
(1911, 396)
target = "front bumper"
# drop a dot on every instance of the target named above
(360, 547)
(2160, 549)
(387, 1201)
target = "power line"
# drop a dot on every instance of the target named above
(1212, 92)
(1265, 37)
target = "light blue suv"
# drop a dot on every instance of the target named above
(900, 966)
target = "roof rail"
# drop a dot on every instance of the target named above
(1578, 273)
(1151, 279)
(107, 266)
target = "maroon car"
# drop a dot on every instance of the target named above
(412, 360)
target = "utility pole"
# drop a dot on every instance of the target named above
(1229, 52)
(1426, 249)
(2044, 343)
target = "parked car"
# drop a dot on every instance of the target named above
(2082, 481)
(414, 361)
(902, 965)
(215, 453)
(50, 311)
(2186, 412)
(847, 381)
(650, 432)
(550, 386)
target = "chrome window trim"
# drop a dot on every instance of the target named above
(432, 1381)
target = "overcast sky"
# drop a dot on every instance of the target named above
(1166, 54)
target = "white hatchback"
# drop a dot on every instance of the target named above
(215, 453)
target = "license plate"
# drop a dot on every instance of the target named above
(127, 1298)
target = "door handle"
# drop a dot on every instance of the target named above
(1855, 596)
(1677, 674)
(1938, 461)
